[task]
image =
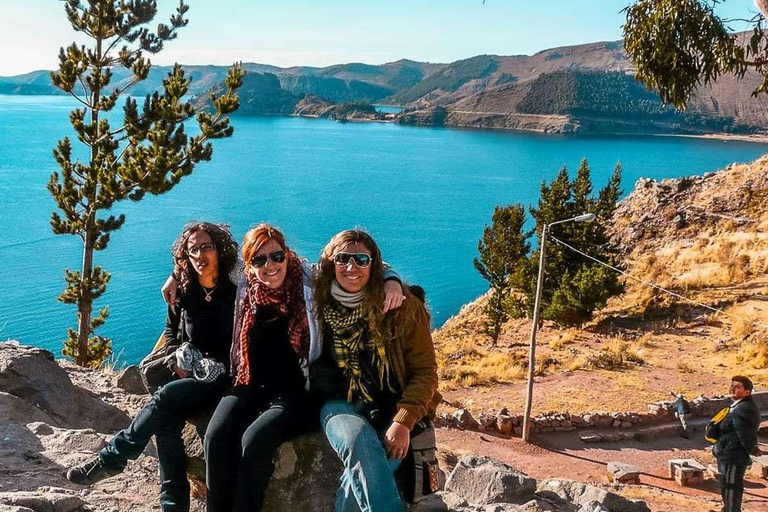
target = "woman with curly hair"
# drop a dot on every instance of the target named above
(198, 334)
(378, 372)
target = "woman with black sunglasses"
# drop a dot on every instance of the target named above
(198, 337)
(275, 338)
(378, 373)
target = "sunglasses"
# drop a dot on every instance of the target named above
(361, 259)
(200, 249)
(261, 260)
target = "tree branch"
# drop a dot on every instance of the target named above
(74, 95)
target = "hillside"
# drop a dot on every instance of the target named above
(703, 237)
(586, 88)
(341, 82)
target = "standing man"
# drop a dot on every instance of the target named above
(682, 411)
(736, 439)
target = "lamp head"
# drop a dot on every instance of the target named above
(587, 217)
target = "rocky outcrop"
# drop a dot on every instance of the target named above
(315, 106)
(483, 481)
(31, 375)
(656, 211)
(480, 484)
(129, 380)
(306, 475)
(584, 495)
(50, 500)
(430, 116)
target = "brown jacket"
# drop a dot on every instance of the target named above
(412, 355)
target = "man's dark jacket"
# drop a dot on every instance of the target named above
(737, 434)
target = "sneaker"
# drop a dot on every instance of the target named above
(91, 472)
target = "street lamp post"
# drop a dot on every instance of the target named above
(587, 217)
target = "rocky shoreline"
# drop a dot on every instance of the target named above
(508, 122)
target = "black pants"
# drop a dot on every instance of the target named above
(731, 485)
(243, 436)
(164, 417)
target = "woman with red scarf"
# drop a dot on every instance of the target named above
(275, 338)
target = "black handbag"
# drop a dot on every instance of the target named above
(154, 372)
(153, 369)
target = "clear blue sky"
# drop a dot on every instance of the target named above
(324, 32)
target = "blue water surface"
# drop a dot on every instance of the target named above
(424, 193)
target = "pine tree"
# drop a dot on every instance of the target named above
(574, 287)
(503, 249)
(149, 153)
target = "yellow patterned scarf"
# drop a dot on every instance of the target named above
(349, 336)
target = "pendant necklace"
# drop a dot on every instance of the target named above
(209, 294)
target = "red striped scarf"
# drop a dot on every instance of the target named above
(289, 300)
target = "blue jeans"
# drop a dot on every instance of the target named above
(367, 483)
(164, 417)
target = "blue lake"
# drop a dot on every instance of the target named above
(424, 193)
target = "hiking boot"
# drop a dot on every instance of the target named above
(91, 471)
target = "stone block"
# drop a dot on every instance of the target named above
(129, 380)
(622, 473)
(759, 466)
(686, 472)
(504, 424)
(465, 419)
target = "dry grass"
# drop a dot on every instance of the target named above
(617, 354)
(646, 341)
(112, 365)
(560, 340)
(743, 322)
(467, 360)
(479, 367)
(713, 258)
(755, 353)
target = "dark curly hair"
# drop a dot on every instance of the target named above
(222, 239)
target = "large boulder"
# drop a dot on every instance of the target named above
(45, 500)
(32, 375)
(15, 410)
(584, 495)
(483, 481)
(129, 380)
(306, 476)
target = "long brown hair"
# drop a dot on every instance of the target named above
(373, 299)
(226, 247)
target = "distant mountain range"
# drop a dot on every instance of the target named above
(584, 88)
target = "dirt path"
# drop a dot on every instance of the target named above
(564, 455)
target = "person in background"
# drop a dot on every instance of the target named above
(682, 411)
(198, 333)
(736, 437)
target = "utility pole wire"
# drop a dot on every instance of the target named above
(653, 285)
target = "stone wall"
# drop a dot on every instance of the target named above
(658, 412)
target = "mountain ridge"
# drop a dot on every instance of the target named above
(591, 84)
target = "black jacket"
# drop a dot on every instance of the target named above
(737, 434)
